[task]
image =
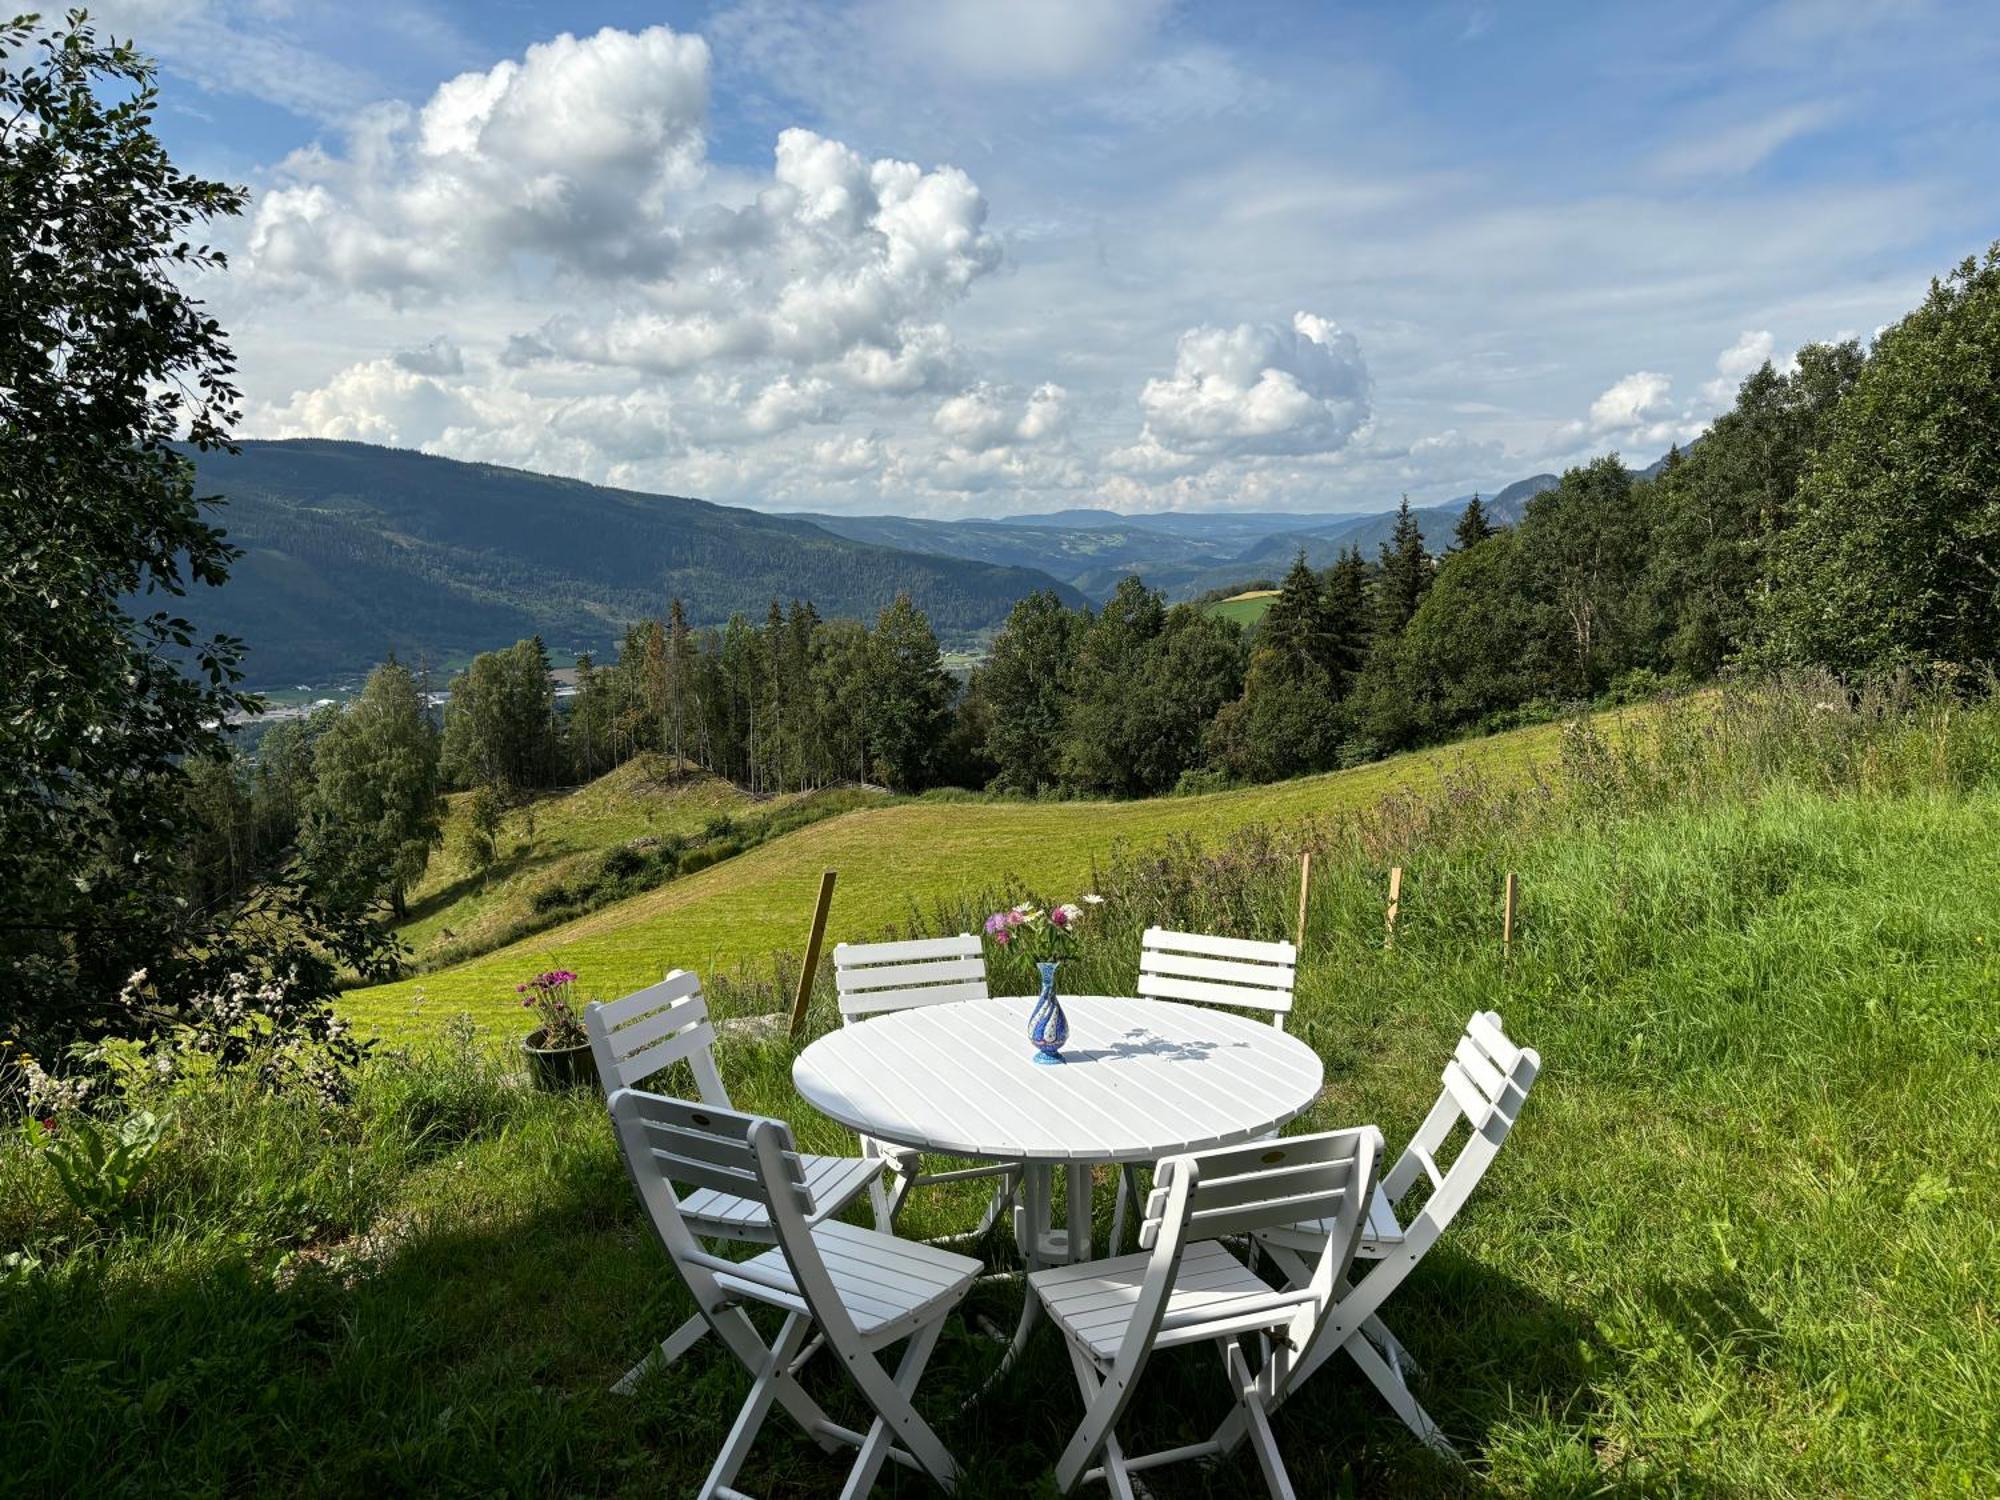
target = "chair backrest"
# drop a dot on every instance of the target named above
(1238, 1190)
(1218, 971)
(874, 977)
(1486, 1081)
(633, 1038)
(667, 1141)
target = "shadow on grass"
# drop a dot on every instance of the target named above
(476, 1358)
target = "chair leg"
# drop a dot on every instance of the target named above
(998, 1204)
(1128, 1196)
(875, 1447)
(771, 1376)
(672, 1348)
(878, 1200)
(736, 1330)
(897, 1199)
(1386, 1341)
(1263, 1443)
(1074, 1465)
(1387, 1379)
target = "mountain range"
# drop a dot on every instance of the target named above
(352, 551)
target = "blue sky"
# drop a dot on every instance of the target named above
(962, 259)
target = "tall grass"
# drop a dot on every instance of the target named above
(1742, 1242)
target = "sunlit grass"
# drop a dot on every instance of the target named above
(891, 860)
(1741, 1243)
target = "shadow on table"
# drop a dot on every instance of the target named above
(1139, 1042)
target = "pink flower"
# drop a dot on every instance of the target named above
(1060, 916)
(1002, 938)
(1014, 917)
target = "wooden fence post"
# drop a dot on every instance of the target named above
(1395, 904)
(813, 941)
(1305, 890)
(1510, 894)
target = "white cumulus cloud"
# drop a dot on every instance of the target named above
(574, 153)
(1258, 388)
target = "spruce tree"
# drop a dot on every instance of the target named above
(1405, 575)
(1347, 616)
(1475, 525)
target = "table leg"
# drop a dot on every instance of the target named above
(1078, 1175)
(1041, 1245)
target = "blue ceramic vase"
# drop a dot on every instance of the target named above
(1048, 1027)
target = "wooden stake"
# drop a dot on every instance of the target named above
(1395, 904)
(1305, 890)
(1509, 894)
(813, 941)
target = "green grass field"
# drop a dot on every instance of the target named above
(1245, 609)
(453, 906)
(1742, 1242)
(893, 861)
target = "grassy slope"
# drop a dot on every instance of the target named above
(556, 835)
(1741, 1244)
(738, 913)
(1245, 609)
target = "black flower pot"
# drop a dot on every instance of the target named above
(557, 1070)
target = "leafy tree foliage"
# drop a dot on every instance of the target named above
(500, 727)
(1895, 555)
(1722, 507)
(109, 746)
(909, 696)
(374, 811)
(1025, 689)
(1584, 545)
(1288, 718)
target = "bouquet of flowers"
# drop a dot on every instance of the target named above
(1043, 934)
(551, 997)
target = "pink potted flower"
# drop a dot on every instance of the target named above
(558, 1049)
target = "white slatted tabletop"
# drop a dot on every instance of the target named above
(1141, 1079)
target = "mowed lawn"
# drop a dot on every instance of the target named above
(892, 861)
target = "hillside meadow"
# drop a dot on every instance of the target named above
(897, 865)
(1741, 1244)
(556, 840)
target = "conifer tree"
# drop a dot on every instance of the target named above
(1475, 525)
(1405, 574)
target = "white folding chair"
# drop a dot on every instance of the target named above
(873, 978)
(862, 1289)
(634, 1038)
(1186, 1287)
(1232, 972)
(1485, 1083)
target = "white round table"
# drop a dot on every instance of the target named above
(1141, 1079)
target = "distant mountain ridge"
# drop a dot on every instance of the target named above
(1182, 552)
(352, 551)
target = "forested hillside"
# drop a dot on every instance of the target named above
(354, 551)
